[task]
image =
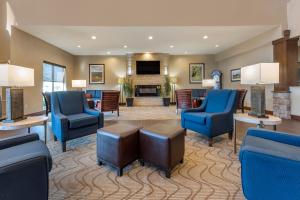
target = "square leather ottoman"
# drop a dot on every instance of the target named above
(162, 145)
(117, 145)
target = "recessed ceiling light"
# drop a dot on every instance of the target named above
(185, 52)
(171, 46)
(94, 37)
(108, 53)
(78, 46)
(205, 37)
(125, 46)
(150, 37)
(217, 45)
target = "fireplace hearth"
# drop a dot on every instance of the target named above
(147, 90)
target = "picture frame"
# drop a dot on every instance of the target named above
(235, 75)
(96, 73)
(196, 72)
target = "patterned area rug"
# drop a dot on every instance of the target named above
(207, 173)
(144, 113)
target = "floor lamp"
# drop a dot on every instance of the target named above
(173, 81)
(121, 82)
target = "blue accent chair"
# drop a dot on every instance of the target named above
(25, 163)
(71, 116)
(214, 117)
(270, 165)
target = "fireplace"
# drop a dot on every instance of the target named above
(147, 90)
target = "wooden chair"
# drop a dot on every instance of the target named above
(183, 99)
(47, 99)
(241, 99)
(109, 101)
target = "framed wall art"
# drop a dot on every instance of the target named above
(196, 72)
(97, 73)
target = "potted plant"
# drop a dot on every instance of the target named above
(128, 91)
(166, 89)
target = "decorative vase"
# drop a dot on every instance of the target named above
(129, 101)
(166, 101)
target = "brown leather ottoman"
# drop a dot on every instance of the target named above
(162, 145)
(117, 145)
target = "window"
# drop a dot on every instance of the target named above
(54, 77)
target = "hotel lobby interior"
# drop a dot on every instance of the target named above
(149, 99)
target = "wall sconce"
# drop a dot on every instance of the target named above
(166, 70)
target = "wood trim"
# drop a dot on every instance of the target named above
(295, 117)
(36, 113)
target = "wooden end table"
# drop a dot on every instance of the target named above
(259, 122)
(26, 123)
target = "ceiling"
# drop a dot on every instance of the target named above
(185, 39)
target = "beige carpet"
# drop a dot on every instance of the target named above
(207, 173)
(144, 113)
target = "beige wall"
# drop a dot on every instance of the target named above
(4, 35)
(293, 16)
(115, 67)
(29, 51)
(179, 67)
(255, 50)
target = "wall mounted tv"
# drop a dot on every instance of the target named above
(147, 67)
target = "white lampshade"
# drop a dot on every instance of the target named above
(16, 76)
(78, 83)
(208, 82)
(262, 73)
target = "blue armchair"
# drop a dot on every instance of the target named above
(270, 165)
(214, 117)
(25, 163)
(72, 118)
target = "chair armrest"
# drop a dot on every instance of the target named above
(60, 125)
(24, 177)
(219, 122)
(258, 170)
(99, 114)
(17, 140)
(193, 110)
(275, 136)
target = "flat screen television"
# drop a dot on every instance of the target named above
(147, 67)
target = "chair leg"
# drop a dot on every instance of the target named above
(230, 135)
(210, 142)
(118, 112)
(120, 172)
(168, 173)
(63, 146)
(55, 138)
(99, 162)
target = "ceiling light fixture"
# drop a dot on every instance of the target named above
(205, 37)
(94, 37)
(78, 46)
(150, 37)
(217, 45)
(185, 52)
(125, 46)
(171, 46)
(108, 53)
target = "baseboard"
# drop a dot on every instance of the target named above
(269, 112)
(295, 117)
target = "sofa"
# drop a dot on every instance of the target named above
(71, 116)
(25, 163)
(214, 117)
(270, 165)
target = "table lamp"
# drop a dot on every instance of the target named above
(14, 77)
(258, 76)
(79, 84)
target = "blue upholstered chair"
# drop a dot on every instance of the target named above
(25, 163)
(72, 118)
(270, 165)
(214, 117)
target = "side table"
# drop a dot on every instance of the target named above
(26, 123)
(259, 122)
